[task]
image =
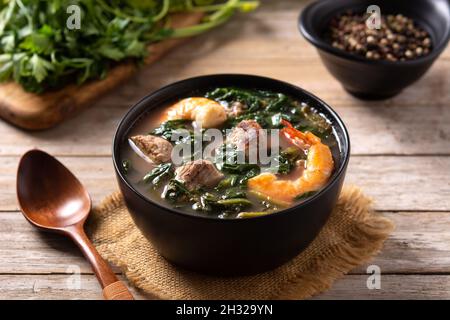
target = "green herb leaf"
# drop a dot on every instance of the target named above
(161, 172)
(8, 42)
(40, 67)
(37, 43)
(253, 214)
(241, 202)
(166, 128)
(111, 52)
(135, 49)
(176, 191)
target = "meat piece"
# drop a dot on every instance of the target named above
(151, 148)
(235, 109)
(244, 134)
(198, 173)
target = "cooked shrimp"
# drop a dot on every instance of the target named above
(205, 112)
(318, 169)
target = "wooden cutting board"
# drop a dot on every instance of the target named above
(42, 111)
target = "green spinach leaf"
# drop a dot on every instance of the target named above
(160, 173)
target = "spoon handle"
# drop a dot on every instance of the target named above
(113, 288)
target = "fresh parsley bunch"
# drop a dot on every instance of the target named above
(39, 51)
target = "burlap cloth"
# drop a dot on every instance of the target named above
(352, 235)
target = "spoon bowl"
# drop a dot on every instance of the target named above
(50, 196)
(53, 199)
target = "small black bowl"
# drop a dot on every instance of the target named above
(236, 246)
(368, 79)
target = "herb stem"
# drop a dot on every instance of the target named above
(121, 14)
(197, 29)
(163, 12)
(7, 15)
(241, 5)
(25, 12)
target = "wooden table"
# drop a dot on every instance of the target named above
(400, 157)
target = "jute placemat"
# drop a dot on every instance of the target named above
(352, 236)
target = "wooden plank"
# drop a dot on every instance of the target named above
(418, 245)
(395, 183)
(400, 130)
(309, 74)
(383, 129)
(392, 287)
(90, 133)
(25, 249)
(403, 183)
(53, 287)
(349, 287)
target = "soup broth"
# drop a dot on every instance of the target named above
(225, 133)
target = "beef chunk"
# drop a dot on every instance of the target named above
(198, 173)
(243, 134)
(152, 148)
(235, 109)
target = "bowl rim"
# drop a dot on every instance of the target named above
(130, 117)
(320, 43)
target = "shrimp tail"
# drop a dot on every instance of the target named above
(319, 166)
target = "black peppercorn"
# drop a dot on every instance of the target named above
(399, 38)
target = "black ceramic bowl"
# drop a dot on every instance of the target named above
(237, 246)
(370, 79)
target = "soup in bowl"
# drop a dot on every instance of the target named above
(230, 174)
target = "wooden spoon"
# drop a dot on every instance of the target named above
(53, 199)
